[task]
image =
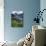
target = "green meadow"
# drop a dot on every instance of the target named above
(16, 23)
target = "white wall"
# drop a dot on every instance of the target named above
(1, 21)
(43, 6)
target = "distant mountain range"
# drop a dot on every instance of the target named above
(17, 15)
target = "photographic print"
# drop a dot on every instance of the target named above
(17, 19)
